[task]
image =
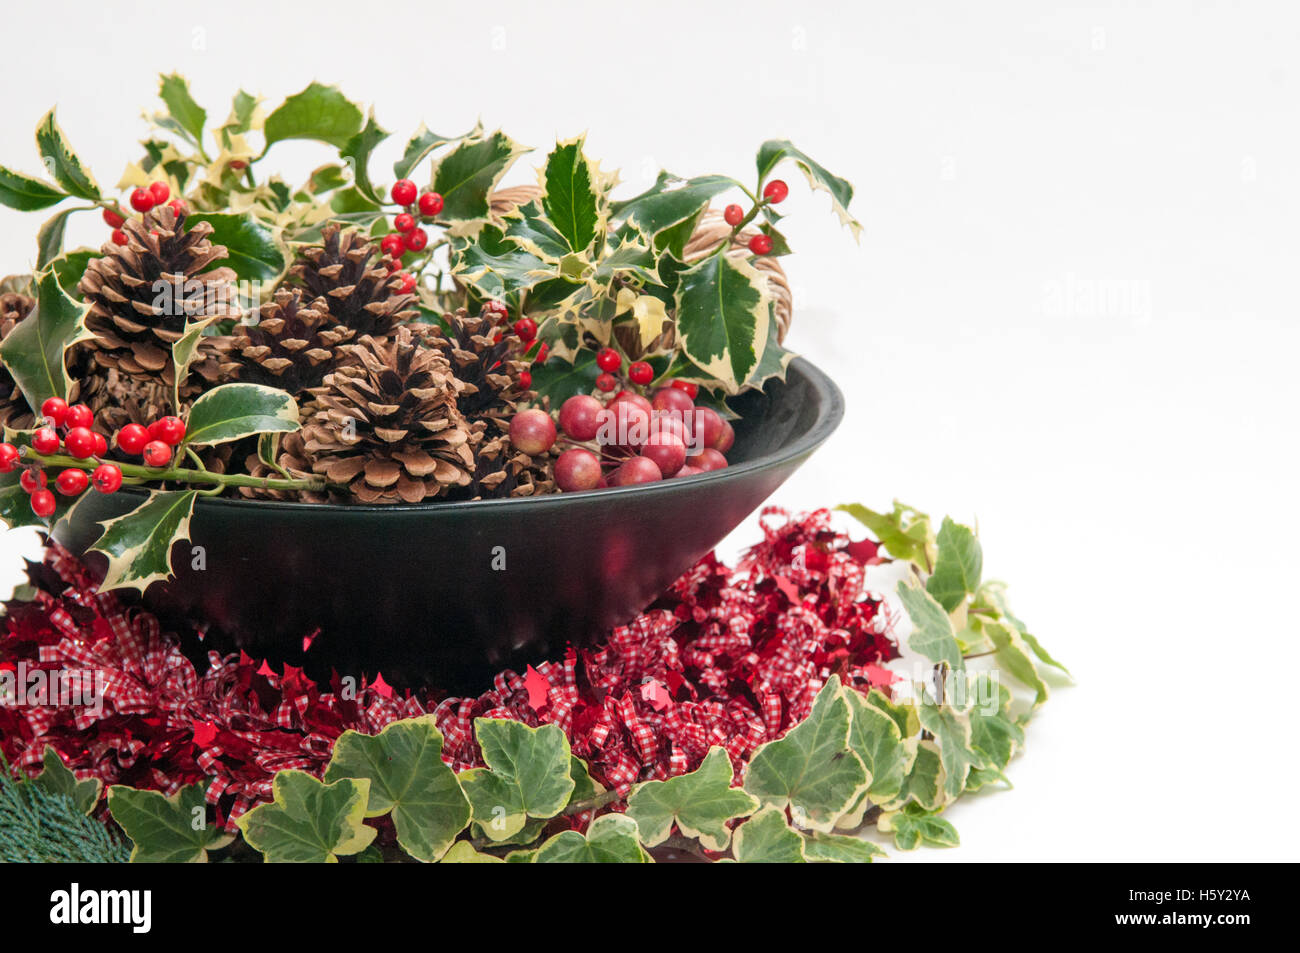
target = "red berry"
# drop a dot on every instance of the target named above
(636, 470)
(670, 422)
(416, 239)
(532, 431)
(179, 207)
(79, 415)
(760, 244)
(525, 380)
(392, 265)
(157, 454)
(71, 481)
(690, 389)
(608, 360)
(404, 222)
(430, 204)
(160, 192)
(79, 442)
(107, 478)
(776, 191)
(43, 503)
(672, 399)
(393, 245)
(668, 451)
(606, 382)
(404, 191)
(141, 200)
(708, 459)
(45, 441)
(728, 438)
(32, 479)
(132, 438)
(101, 444)
(577, 469)
(119, 237)
(170, 430)
(686, 471)
(526, 328)
(641, 373)
(580, 416)
(543, 353)
(498, 309)
(55, 410)
(408, 282)
(630, 425)
(8, 457)
(627, 397)
(708, 426)
(733, 215)
(113, 218)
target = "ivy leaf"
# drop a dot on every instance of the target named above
(914, 826)
(233, 411)
(527, 775)
(34, 350)
(957, 566)
(610, 839)
(670, 202)
(1012, 653)
(767, 839)
(139, 544)
(309, 822)
(875, 738)
(166, 830)
(357, 152)
(723, 315)
(932, 634)
(61, 162)
(466, 175)
(319, 112)
(839, 849)
(699, 803)
(922, 784)
(462, 852)
(952, 732)
(571, 199)
(25, 193)
(905, 532)
(993, 597)
(49, 240)
(992, 733)
(57, 778)
(407, 777)
(189, 115)
(256, 252)
(811, 769)
(423, 143)
(775, 151)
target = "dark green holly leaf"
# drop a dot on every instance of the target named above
(839, 849)
(166, 830)
(233, 411)
(906, 532)
(914, 826)
(49, 240)
(766, 838)
(957, 566)
(775, 151)
(671, 201)
(780, 246)
(26, 193)
(468, 173)
(69, 267)
(932, 634)
(189, 115)
(57, 778)
(723, 315)
(699, 803)
(61, 162)
(610, 839)
(560, 380)
(527, 775)
(318, 112)
(138, 544)
(256, 252)
(309, 822)
(407, 777)
(34, 350)
(357, 152)
(494, 266)
(572, 199)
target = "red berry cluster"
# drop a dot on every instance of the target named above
(69, 428)
(409, 236)
(773, 194)
(142, 200)
(526, 328)
(153, 443)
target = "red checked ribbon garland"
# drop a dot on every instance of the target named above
(730, 657)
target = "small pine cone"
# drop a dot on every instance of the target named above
(143, 294)
(291, 347)
(387, 426)
(14, 411)
(348, 273)
(501, 471)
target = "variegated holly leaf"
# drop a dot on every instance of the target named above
(767, 839)
(34, 350)
(932, 635)
(775, 151)
(318, 112)
(631, 258)
(69, 267)
(422, 144)
(184, 350)
(243, 118)
(462, 852)
(699, 803)
(723, 314)
(527, 775)
(57, 778)
(957, 565)
(138, 544)
(233, 411)
(839, 849)
(407, 777)
(528, 227)
(309, 822)
(49, 239)
(256, 251)
(16, 503)
(167, 830)
(570, 195)
(775, 360)
(670, 204)
(61, 162)
(875, 738)
(647, 312)
(913, 826)
(184, 113)
(811, 769)
(610, 839)
(466, 175)
(494, 266)
(356, 151)
(906, 532)
(27, 194)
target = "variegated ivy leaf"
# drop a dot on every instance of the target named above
(875, 737)
(309, 822)
(233, 411)
(766, 838)
(610, 839)
(256, 251)
(409, 779)
(1013, 655)
(992, 599)
(773, 152)
(167, 830)
(699, 803)
(906, 532)
(913, 826)
(61, 162)
(527, 775)
(924, 781)
(187, 115)
(318, 112)
(34, 351)
(723, 314)
(932, 635)
(992, 732)
(570, 195)
(839, 849)
(584, 787)
(57, 778)
(462, 852)
(957, 565)
(672, 201)
(139, 544)
(951, 729)
(466, 175)
(356, 151)
(27, 194)
(811, 769)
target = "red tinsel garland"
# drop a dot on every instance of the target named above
(730, 657)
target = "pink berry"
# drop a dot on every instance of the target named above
(577, 469)
(668, 451)
(672, 399)
(636, 470)
(686, 471)
(708, 459)
(707, 426)
(727, 439)
(580, 417)
(532, 431)
(624, 424)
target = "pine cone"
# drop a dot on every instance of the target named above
(142, 294)
(387, 426)
(349, 274)
(291, 347)
(115, 398)
(14, 411)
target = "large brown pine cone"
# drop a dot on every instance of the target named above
(348, 272)
(292, 346)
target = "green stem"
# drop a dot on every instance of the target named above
(135, 473)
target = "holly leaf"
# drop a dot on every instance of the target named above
(462, 852)
(495, 266)
(407, 776)
(233, 411)
(61, 162)
(905, 532)
(527, 775)
(767, 839)
(166, 830)
(34, 350)
(610, 839)
(723, 313)
(138, 544)
(318, 112)
(570, 197)
(57, 778)
(69, 267)
(468, 173)
(49, 240)
(932, 635)
(957, 566)
(188, 115)
(560, 380)
(308, 821)
(913, 826)
(356, 152)
(775, 151)
(254, 250)
(25, 193)
(184, 350)
(700, 804)
(775, 360)
(875, 738)
(423, 143)
(839, 849)
(812, 770)
(671, 201)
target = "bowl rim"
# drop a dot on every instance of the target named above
(829, 416)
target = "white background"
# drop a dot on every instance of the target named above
(1072, 314)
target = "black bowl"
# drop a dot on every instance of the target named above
(418, 592)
